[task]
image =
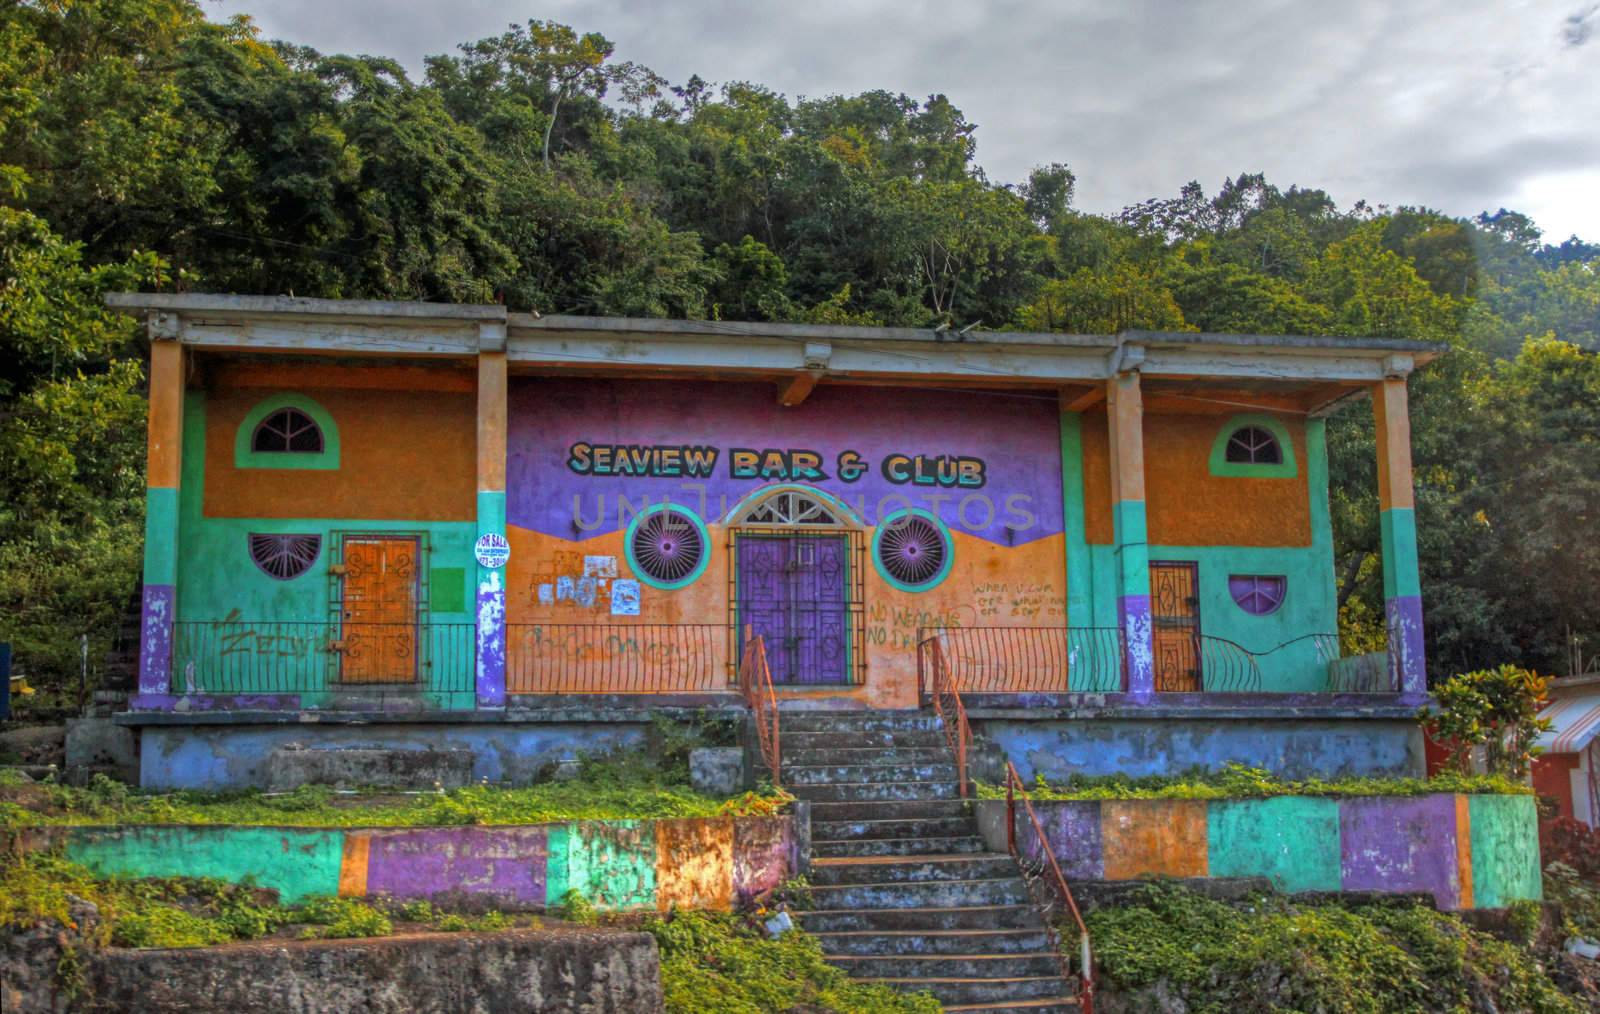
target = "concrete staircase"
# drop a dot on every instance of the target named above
(904, 890)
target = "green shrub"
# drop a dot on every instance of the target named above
(575, 908)
(342, 917)
(714, 964)
(167, 926)
(1239, 781)
(1275, 954)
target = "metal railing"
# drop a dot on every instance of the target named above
(947, 702)
(211, 657)
(1360, 674)
(755, 684)
(1023, 660)
(1045, 867)
(617, 658)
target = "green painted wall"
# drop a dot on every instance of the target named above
(298, 863)
(1310, 604)
(613, 863)
(1505, 850)
(1292, 840)
(217, 580)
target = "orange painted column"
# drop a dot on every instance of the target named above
(159, 605)
(491, 548)
(1402, 587)
(1125, 411)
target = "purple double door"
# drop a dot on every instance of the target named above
(791, 592)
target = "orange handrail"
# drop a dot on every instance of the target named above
(947, 702)
(1058, 880)
(755, 683)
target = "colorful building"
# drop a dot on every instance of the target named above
(412, 526)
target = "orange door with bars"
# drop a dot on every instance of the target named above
(1175, 626)
(378, 628)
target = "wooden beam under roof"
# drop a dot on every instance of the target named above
(798, 388)
(1080, 399)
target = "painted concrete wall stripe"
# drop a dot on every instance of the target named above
(1080, 589)
(1464, 851)
(353, 865)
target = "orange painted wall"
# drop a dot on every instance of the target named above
(1185, 504)
(1154, 837)
(405, 454)
(988, 585)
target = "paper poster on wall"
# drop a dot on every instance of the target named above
(492, 550)
(625, 597)
(600, 566)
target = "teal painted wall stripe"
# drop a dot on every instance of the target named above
(491, 511)
(1080, 577)
(1398, 526)
(298, 863)
(1321, 519)
(1133, 549)
(160, 535)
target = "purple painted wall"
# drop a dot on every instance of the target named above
(763, 850)
(1391, 844)
(1016, 439)
(507, 863)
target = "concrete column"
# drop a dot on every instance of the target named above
(491, 598)
(159, 609)
(1125, 411)
(1080, 587)
(1402, 587)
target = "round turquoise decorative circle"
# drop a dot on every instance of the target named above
(667, 546)
(912, 550)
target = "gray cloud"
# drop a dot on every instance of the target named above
(1462, 105)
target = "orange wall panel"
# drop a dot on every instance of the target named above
(1185, 504)
(404, 455)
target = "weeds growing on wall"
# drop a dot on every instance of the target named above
(1237, 781)
(1275, 954)
(611, 788)
(39, 887)
(721, 964)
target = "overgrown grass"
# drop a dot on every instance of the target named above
(718, 964)
(1275, 954)
(612, 788)
(40, 887)
(1237, 781)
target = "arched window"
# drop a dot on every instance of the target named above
(1252, 445)
(284, 556)
(1257, 594)
(287, 431)
(793, 508)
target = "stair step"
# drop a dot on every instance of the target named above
(897, 753)
(912, 869)
(947, 966)
(955, 941)
(1045, 1005)
(890, 809)
(853, 847)
(862, 792)
(921, 919)
(992, 992)
(855, 721)
(856, 830)
(860, 739)
(935, 894)
(830, 774)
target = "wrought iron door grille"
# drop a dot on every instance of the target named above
(1175, 626)
(802, 590)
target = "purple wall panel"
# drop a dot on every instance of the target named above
(1073, 830)
(762, 849)
(1390, 843)
(156, 615)
(503, 862)
(1017, 439)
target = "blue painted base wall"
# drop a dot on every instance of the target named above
(234, 756)
(1290, 748)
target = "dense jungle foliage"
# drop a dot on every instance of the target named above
(142, 146)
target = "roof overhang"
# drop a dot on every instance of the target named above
(1327, 369)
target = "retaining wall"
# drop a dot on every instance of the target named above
(703, 863)
(1478, 851)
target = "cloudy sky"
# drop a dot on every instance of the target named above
(1461, 105)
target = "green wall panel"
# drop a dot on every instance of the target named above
(1505, 850)
(298, 863)
(613, 864)
(1292, 840)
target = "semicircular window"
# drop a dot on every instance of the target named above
(913, 551)
(1252, 445)
(668, 547)
(284, 556)
(287, 431)
(1257, 594)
